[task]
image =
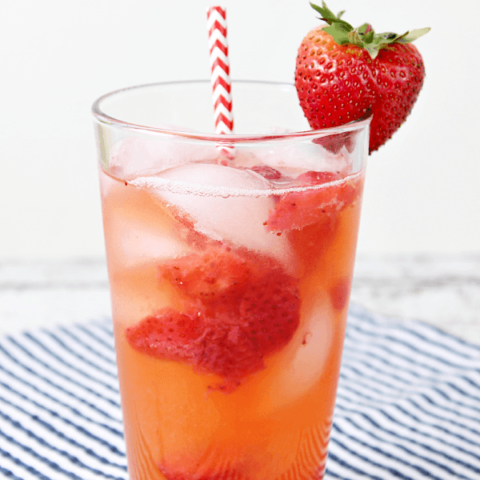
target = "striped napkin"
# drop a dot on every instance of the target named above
(408, 404)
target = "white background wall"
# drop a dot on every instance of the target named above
(57, 56)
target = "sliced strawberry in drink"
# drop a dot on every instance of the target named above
(168, 334)
(316, 178)
(297, 210)
(239, 308)
(216, 276)
(340, 293)
(267, 172)
(334, 143)
(187, 230)
(270, 310)
(210, 344)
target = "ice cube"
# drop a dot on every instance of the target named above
(137, 229)
(223, 203)
(138, 242)
(303, 157)
(300, 367)
(134, 156)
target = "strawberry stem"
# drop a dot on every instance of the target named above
(363, 36)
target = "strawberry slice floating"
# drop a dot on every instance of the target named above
(342, 72)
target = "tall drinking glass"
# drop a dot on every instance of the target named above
(230, 261)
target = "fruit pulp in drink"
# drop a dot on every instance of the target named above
(229, 313)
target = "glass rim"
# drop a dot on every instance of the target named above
(104, 118)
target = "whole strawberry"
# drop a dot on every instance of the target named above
(342, 72)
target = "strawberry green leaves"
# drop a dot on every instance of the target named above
(329, 17)
(363, 36)
(413, 35)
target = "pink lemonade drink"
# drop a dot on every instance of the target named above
(230, 278)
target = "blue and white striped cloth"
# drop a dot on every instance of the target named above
(408, 404)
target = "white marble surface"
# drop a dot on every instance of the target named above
(441, 290)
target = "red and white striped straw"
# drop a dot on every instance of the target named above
(220, 74)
